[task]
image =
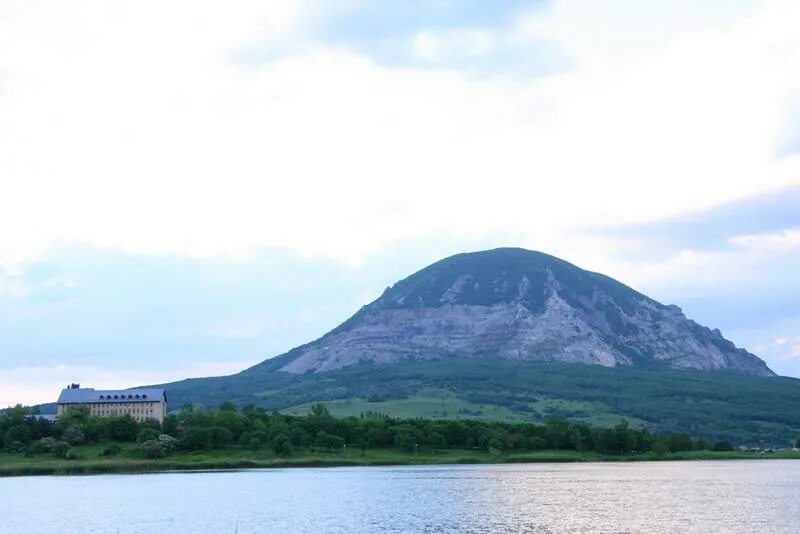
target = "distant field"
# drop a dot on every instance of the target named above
(429, 404)
(127, 462)
(442, 404)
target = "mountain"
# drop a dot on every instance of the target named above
(518, 304)
(516, 335)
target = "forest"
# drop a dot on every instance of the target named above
(253, 428)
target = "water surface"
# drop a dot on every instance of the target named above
(648, 497)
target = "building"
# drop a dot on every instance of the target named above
(141, 404)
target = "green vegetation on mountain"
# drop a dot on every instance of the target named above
(716, 406)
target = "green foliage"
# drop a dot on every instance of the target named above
(74, 435)
(713, 405)
(59, 450)
(227, 407)
(283, 435)
(329, 441)
(195, 439)
(722, 446)
(123, 428)
(18, 433)
(72, 454)
(147, 434)
(15, 446)
(659, 447)
(281, 445)
(74, 416)
(407, 436)
(319, 412)
(152, 448)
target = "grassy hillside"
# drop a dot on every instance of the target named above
(739, 408)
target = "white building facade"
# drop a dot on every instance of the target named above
(141, 404)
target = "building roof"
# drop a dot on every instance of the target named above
(92, 396)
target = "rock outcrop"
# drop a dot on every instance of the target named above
(518, 304)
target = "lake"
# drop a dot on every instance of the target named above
(648, 497)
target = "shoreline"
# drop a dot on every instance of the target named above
(200, 462)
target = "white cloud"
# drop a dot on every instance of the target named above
(125, 129)
(776, 242)
(442, 45)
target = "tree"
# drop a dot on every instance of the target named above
(227, 407)
(626, 438)
(123, 428)
(17, 433)
(196, 439)
(221, 437)
(74, 415)
(406, 437)
(606, 441)
(556, 432)
(281, 445)
(17, 414)
(435, 440)
(319, 411)
(329, 441)
(723, 446)
(679, 443)
(659, 447)
(299, 437)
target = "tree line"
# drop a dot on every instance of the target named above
(254, 428)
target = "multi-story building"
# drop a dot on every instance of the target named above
(141, 404)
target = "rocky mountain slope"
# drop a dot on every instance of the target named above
(520, 305)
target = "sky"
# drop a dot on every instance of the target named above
(188, 188)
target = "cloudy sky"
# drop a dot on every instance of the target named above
(187, 188)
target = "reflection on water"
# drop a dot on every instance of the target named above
(732, 496)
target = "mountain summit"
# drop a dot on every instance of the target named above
(517, 304)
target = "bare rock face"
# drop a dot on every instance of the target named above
(523, 305)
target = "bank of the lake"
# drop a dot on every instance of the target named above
(127, 461)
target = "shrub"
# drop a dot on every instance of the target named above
(72, 454)
(152, 449)
(59, 449)
(723, 446)
(169, 443)
(74, 435)
(159, 447)
(43, 445)
(147, 434)
(16, 446)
